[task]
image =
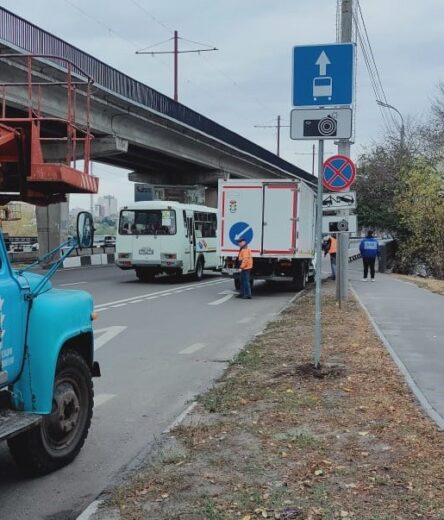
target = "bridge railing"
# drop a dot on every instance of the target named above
(30, 38)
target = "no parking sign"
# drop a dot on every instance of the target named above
(339, 173)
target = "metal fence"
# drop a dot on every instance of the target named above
(30, 38)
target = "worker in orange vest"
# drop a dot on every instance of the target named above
(245, 260)
(330, 248)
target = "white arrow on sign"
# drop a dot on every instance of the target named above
(242, 233)
(323, 61)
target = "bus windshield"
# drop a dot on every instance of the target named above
(147, 222)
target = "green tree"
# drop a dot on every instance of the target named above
(420, 207)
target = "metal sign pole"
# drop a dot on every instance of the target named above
(318, 332)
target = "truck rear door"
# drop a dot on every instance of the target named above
(241, 216)
(280, 213)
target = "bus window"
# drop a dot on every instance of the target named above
(148, 222)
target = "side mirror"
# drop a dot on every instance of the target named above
(85, 230)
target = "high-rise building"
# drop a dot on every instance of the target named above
(108, 204)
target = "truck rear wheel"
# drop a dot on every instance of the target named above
(59, 437)
(300, 276)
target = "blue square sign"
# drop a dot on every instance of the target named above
(323, 74)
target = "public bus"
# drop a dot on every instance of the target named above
(167, 237)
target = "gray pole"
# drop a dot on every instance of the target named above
(318, 336)
(386, 105)
(344, 149)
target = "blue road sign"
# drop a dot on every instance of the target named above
(339, 173)
(241, 230)
(323, 74)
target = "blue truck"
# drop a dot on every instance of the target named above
(46, 363)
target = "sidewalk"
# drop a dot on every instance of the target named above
(411, 323)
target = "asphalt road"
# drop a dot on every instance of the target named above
(158, 346)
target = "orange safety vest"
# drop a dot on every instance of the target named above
(332, 245)
(245, 259)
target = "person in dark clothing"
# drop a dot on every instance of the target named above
(369, 248)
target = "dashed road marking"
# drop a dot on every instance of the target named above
(158, 293)
(193, 348)
(72, 283)
(106, 335)
(228, 296)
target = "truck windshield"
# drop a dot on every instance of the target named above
(147, 222)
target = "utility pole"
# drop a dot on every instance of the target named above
(344, 149)
(278, 126)
(176, 53)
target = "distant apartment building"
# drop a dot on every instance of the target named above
(105, 207)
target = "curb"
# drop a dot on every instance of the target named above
(87, 260)
(423, 401)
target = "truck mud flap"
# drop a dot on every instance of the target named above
(12, 423)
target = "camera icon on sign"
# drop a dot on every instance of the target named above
(324, 127)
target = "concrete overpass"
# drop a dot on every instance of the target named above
(135, 127)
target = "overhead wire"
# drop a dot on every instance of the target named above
(372, 68)
(370, 62)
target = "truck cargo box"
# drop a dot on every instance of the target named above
(275, 217)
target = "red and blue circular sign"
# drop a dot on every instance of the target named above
(339, 173)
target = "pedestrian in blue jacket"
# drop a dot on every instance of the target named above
(369, 248)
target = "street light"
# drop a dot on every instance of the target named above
(386, 105)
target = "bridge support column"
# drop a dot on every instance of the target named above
(52, 226)
(211, 197)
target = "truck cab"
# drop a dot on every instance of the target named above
(46, 365)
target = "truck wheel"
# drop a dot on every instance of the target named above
(57, 440)
(300, 277)
(199, 269)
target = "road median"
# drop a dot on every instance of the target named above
(275, 438)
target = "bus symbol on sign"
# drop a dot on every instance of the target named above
(322, 87)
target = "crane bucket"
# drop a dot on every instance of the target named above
(24, 174)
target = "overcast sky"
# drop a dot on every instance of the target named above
(248, 81)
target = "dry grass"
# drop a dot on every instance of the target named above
(432, 284)
(275, 439)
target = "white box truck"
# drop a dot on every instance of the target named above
(277, 219)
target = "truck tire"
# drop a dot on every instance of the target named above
(199, 269)
(59, 437)
(300, 276)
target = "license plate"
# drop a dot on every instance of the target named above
(146, 251)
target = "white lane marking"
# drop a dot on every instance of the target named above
(193, 348)
(157, 293)
(167, 294)
(135, 301)
(90, 510)
(180, 418)
(247, 319)
(73, 283)
(228, 296)
(118, 305)
(107, 334)
(100, 310)
(151, 298)
(100, 399)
